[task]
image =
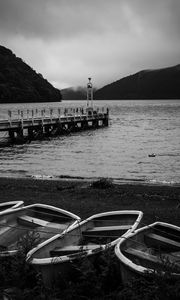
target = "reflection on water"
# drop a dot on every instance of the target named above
(120, 151)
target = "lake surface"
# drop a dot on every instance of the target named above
(120, 151)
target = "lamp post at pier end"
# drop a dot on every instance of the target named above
(89, 93)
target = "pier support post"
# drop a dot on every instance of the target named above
(47, 130)
(73, 127)
(39, 132)
(95, 123)
(20, 136)
(59, 128)
(85, 125)
(106, 119)
(30, 133)
(11, 135)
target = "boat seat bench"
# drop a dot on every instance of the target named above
(141, 254)
(34, 222)
(153, 258)
(28, 220)
(73, 249)
(161, 241)
(102, 230)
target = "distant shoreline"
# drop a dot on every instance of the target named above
(116, 181)
(99, 100)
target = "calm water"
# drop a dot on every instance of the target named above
(120, 151)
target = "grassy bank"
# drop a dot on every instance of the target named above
(85, 198)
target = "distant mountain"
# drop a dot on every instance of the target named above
(75, 93)
(148, 84)
(78, 93)
(20, 83)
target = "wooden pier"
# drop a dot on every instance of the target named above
(35, 124)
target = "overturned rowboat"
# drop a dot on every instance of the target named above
(32, 225)
(152, 249)
(56, 257)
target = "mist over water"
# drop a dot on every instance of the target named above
(121, 151)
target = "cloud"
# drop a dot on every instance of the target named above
(70, 40)
(48, 19)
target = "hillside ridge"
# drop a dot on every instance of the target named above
(161, 83)
(19, 83)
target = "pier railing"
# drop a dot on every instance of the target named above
(27, 114)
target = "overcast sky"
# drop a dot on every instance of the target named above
(68, 41)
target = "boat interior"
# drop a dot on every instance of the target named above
(5, 206)
(91, 235)
(157, 248)
(41, 222)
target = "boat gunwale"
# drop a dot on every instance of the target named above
(50, 207)
(14, 205)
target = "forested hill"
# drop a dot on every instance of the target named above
(148, 84)
(20, 83)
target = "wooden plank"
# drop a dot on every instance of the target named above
(142, 255)
(161, 241)
(73, 249)
(31, 221)
(34, 222)
(106, 230)
(109, 228)
(58, 226)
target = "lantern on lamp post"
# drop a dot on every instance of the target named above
(89, 93)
